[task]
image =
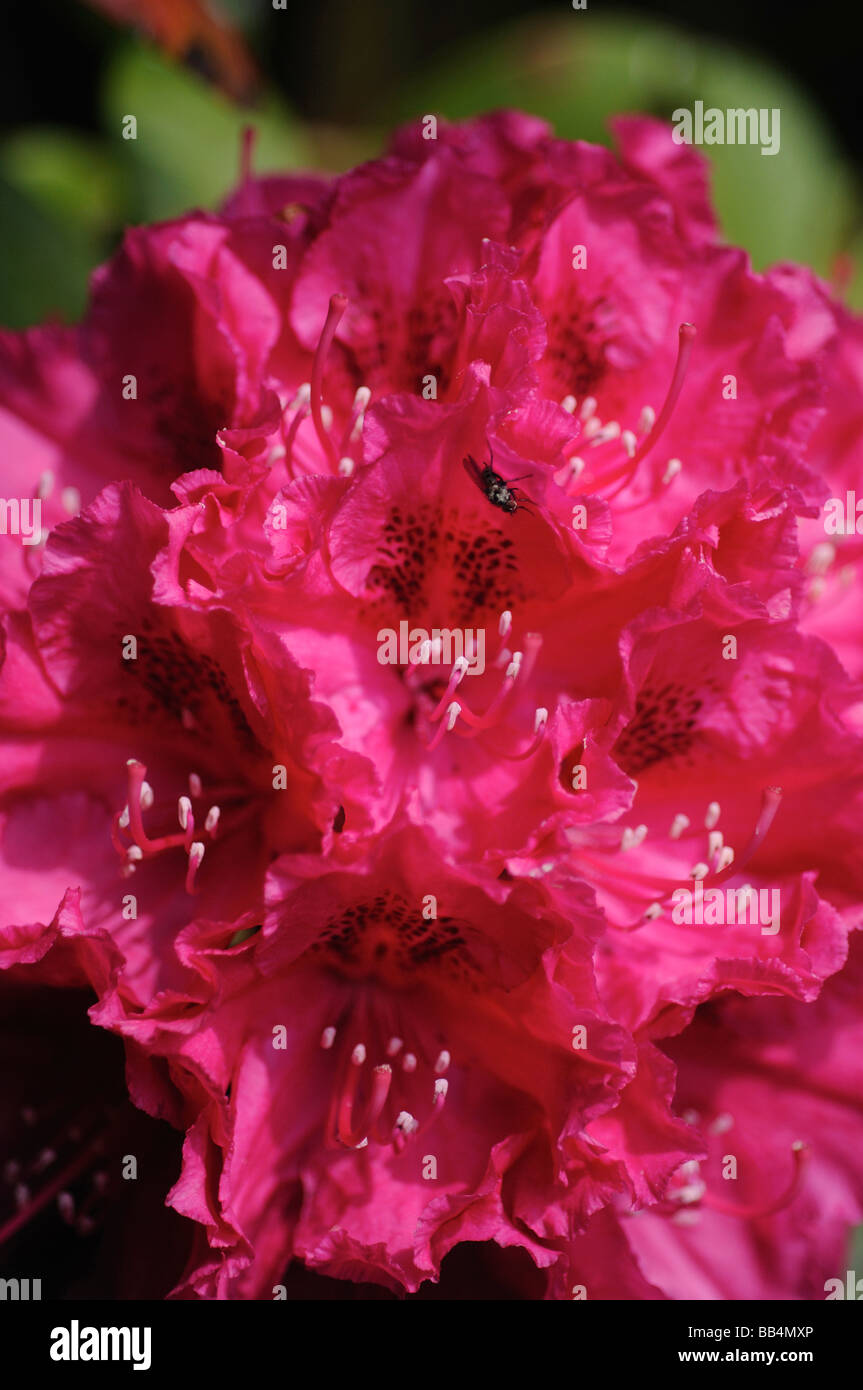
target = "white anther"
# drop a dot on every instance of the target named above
(303, 396)
(592, 427)
(328, 1037)
(647, 419)
(672, 468)
(714, 843)
(452, 713)
(406, 1122)
(147, 797)
(45, 1159)
(22, 1195)
(712, 817)
(686, 1217)
(692, 1192)
(409, 1062)
(441, 1087)
(460, 668)
(568, 404)
(632, 837)
(504, 626)
(726, 857)
(123, 820)
(514, 666)
(652, 912)
(362, 396)
(609, 431)
(346, 467)
(196, 852)
(699, 870)
(277, 453)
(66, 1205)
(442, 1062)
(194, 784)
(70, 500)
(722, 1123)
(134, 854)
(326, 417)
(184, 810)
(540, 719)
(212, 818)
(394, 1047)
(822, 557)
(358, 1056)
(678, 825)
(588, 406)
(45, 485)
(690, 1117)
(629, 442)
(363, 1144)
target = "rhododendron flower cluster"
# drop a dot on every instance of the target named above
(391, 936)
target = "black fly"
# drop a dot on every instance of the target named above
(498, 491)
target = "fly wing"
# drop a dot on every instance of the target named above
(474, 471)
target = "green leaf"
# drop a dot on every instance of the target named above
(51, 258)
(577, 71)
(187, 149)
(69, 176)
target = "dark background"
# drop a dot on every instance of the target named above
(341, 53)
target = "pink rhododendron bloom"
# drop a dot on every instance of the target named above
(430, 729)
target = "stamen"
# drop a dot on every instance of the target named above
(303, 413)
(800, 1157)
(678, 825)
(354, 427)
(604, 435)
(672, 469)
(195, 784)
(442, 1062)
(338, 304)
(196, 854)
(328, 1037)
(685, 340)
(712, 817)
(770, 801)
(394, 1047)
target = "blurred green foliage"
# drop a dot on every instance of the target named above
(575, 69)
